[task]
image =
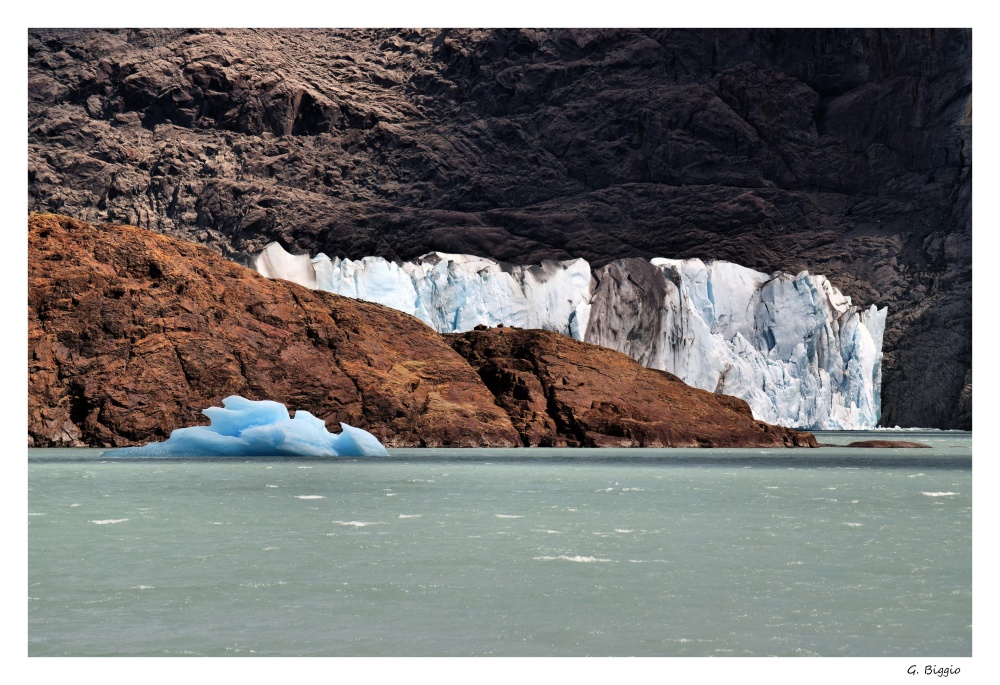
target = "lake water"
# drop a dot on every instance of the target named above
(520, 552)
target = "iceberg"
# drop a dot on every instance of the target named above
(249, 428)
(792, 346)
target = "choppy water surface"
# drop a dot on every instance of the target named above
(507, 552)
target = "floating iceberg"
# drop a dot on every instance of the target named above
(793, 347)
(247, 428)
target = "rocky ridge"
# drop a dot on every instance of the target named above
(131, 334)
(844, 152)
(562, 392)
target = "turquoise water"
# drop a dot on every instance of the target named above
(539, 552)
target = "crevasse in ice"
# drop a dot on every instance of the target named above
(248, 428)
(793, 347)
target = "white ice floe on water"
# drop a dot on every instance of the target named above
(357, 524)
(793, 346)
(248, 428)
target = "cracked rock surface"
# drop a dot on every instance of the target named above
(844, 152)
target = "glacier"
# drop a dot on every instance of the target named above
(792, 346)
(249, 428)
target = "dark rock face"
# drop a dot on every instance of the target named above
(561, 392)
(847, 152)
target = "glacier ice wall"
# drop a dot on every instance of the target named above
(793, 347)
(451, 292)
(249, 428)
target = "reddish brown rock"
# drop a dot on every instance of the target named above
(562, 392)
(886, 443)
(131, 334)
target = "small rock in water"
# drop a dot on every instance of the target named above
(886, 443)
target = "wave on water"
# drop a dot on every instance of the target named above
(939, 494)
(410, 516)
(580, 559)
(509, 516)
(103, 522)
(310, 497)
(357, 524)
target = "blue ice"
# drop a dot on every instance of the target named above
(249, 428)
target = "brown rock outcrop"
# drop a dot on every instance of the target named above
(131, 334)
(562, 392)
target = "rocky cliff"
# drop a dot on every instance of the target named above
(131, 334)
(563, 392)
(845, 152)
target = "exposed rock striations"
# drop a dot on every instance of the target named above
(843, 152)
